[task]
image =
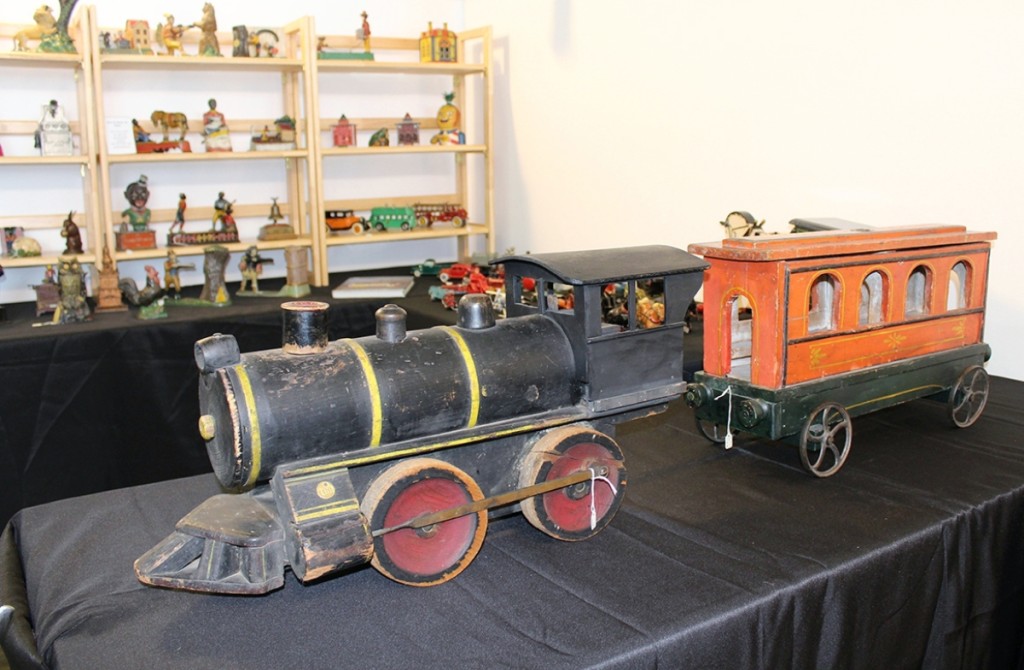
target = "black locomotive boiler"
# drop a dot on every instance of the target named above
(394, 449)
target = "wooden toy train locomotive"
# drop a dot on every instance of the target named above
(392, 449)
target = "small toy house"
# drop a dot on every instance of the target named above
(344, 133)
(408, 131)
(138, 34)
(438, 45)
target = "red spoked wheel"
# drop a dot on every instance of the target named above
(436, 553)
(581, 510)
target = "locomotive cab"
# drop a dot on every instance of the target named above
(625, 325)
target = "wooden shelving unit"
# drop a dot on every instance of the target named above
(296, 178)
(299, 73)
(60, 170)
(405, 53)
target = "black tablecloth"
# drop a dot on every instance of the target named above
(912, 556)
(112, 402)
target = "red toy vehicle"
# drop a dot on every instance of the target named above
(841, 323)
(427, 215)
(455, 272)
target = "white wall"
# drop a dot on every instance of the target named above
(647, 122)
(623, 123)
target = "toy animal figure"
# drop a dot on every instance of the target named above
(74, 237)
(45, 25)
(208, 45)
(380, 138)
(167, 120)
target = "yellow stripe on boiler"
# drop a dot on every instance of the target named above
(474, 380)
(373, 388)
(255, 441)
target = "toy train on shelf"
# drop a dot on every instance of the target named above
(394, 449)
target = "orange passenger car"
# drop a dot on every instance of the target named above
(801, 332)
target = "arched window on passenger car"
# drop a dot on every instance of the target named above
(919, 289)
(824, 304)
(959, 286)
(873, 299)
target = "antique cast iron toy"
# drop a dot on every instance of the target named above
(392, 448)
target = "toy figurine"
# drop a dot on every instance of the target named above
(344, 133)
(408, 131)
(222, 213)
(280, 138)
(165, 121)
(73, 305)
(216, 136)
(51, 33)
(169, 36)
(137, 215)
(45, 25)
(448, 120)
(380, 138)
(53, 136)
(70, 232)
(19, 245)
(172, 268)
(208, 45)
(149, 300)
(108, 296)
(222, 230)
(438, 45)
(179, 215)
(251, 266)
(214, 263)
(364, 32)
(135, 232)
(139, 133)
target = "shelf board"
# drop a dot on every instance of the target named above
(205, 156)
(399, 67)
(222, 63)
(414, 149)
(44, 160)
(370, 237)
(40, 261)
(41, 59)
(198, 249)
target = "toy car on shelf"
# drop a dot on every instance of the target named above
(428, 215)
(338, 220)
(456, 272)
(428, 268)
(389, 218)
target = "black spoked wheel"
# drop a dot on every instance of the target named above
(825, 440)
(968, 397)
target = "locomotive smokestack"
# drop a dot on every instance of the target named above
(304, 328)
(391, 323)
(476, 311)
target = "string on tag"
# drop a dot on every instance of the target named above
(593, 506)
(728, 416)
